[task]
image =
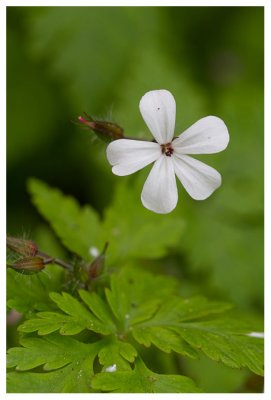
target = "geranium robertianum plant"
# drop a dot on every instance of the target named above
(100, 321)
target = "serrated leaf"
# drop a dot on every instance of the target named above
(223, 340)
(71, 360)
(143, 380)
(98, 308)
(158, 317)
(118, 354)
(76, 318)
(186, 326)
(219, 342)
(64, 380)
(53, 352)
(78, 228)
(159, 330)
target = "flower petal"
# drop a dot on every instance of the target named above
(206, 136)
(158, 109)
(160, 193)
(198, 179)
(128, 156)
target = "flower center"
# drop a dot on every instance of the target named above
(167, 149)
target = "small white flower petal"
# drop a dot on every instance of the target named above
(128, 156)
(160, 193)
(206, 136)
(198, 179)
(158, 109)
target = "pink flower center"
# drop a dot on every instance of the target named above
(167, 149)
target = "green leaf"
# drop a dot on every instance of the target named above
(185, 326)
(26, 293)
(139, 233)
(71, 360)
(76, 318)
(135, 294)
(149, 309)
(118, 354)
(80, 229)
(160, 331)
(143, 380)
(77, 227)
(98, 308)
(221, 341)
(53, 351)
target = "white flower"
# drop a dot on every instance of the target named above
(206, 136)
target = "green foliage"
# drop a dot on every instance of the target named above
(128, 236)
(70, 360)
(146, 309)
(71, 363)
(76, 319)
(26, 293)
(85, 62)
(142, 380)
(77, 227)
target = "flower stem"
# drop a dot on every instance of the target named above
(58, 261)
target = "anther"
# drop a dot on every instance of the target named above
(167, 149)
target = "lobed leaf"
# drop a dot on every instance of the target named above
(78, 228)
(72, 362)
(75, 319)
(118, 354)
(185, 326)
(153, 316)
(217, 340)
(143, 380)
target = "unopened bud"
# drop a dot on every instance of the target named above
(29, 265)
(97, 266)
(22, 246)
(106, 131)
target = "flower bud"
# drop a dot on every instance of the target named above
(22, 246)
(106, 131)
(28, 265)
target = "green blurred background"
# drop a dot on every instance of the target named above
(62, 61)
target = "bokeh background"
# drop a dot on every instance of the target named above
(62, 61)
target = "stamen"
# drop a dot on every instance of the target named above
(167, 149)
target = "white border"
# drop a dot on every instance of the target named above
(3, 192)
(267, 5)
(112, 3)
